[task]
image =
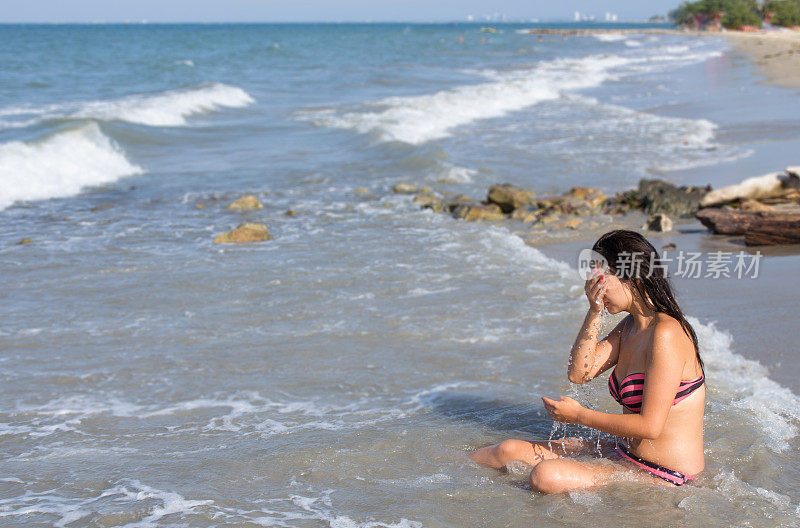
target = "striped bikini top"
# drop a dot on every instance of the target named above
(629, 392)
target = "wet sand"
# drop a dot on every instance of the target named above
(777, 54)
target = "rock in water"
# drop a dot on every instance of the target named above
(455, 201)
(428, 201)
(658, 196)
(659, 222)
(405, 188)
(246, 232)
(526, 214)
(245, 203)
(569, 223)
(588, 195)
(509, 197)
(478, 213)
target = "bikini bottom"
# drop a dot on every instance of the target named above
(670, 475)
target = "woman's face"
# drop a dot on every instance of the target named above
(618, 295)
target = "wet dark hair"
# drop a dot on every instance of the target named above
(634, 260)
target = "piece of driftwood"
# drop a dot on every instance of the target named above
(758, 227)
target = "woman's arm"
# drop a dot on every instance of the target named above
(663, 372)
(588, 358)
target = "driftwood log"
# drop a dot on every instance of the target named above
(758, 227)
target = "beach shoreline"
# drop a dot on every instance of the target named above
(775, 53)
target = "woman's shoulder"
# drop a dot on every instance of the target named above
(670, 336)
(666, 324)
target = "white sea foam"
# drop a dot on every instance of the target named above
(418, 119)
(322, 509)
(609, 37)
(515, 251)
(449, 173)
(744, 384)
(60, 165)
(168, 108)
(674, 131)
(129, 495)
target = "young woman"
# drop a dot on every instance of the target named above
(658, 379)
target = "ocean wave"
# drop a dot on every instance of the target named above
(450, 173)
(743, 384)
(609, 37)
(673, 131)
(60, 165)
(169, 108)
(419, 119)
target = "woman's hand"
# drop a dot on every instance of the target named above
(595, 289)
(566, 410)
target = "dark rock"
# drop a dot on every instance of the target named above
(461, 199)
(658, 196)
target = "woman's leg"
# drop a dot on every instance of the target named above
(497, 456)
(561, 475)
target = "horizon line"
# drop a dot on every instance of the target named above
(145, 22)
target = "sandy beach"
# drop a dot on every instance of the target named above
(776, 53)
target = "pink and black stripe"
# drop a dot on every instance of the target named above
(629, 392)
(670, 475)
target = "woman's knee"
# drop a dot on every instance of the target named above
(548, 477)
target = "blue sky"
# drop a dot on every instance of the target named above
(315, 10)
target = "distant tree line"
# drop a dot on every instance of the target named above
(734, 14)
(783, 12)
